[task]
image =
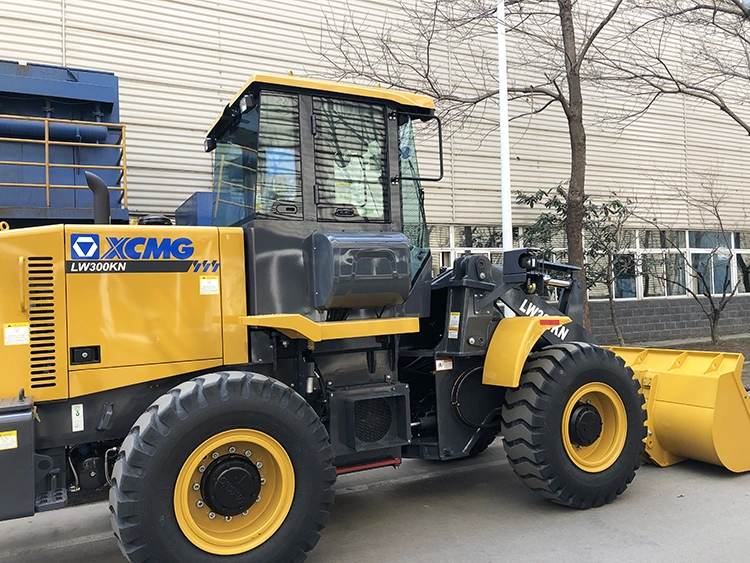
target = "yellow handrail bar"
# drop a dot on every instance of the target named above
(55, 120)
(121, 165)
(59, 143)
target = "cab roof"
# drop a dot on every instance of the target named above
(407, 99)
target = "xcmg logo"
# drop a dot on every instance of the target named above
(89, 247)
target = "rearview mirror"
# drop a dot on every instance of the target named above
(403, 117)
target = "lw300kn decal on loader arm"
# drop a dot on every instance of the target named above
(218, 378)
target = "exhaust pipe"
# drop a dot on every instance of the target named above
(101, 198)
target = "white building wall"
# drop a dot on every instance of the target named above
(179, 62)
(32, 31)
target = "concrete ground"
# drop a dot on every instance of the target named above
(469, 511)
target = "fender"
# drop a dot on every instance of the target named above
(510, 346)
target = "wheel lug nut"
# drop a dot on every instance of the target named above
(232, 450)
(259, 465)
(257, 499)
(211, 515)
(244, 513)
(202, 468)
(262, 480)
(196, 487)
(228, 518)
(248, 453)
(199, 504)
(214, 455)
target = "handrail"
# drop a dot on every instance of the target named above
(121, 165)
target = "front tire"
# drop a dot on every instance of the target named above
(227, 467)
(574, 429)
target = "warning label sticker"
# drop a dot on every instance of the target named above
(209, 285)
(8, 440)
(76, 416)
(443, 364)
(16, 334)
(453, 325)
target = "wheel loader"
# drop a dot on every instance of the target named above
(218, 378)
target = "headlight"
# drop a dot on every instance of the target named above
(244, 104)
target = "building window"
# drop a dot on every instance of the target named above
(653, 267)
(712, 270)
(480, 237)
(651, 264)
(675, 272)
(625, 276)
(667, 263)
(743, 272)
(440, 236)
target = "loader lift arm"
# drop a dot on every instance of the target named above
(519, 284)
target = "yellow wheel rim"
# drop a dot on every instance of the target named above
(607, 448)
(233, 535)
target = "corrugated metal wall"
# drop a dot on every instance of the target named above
(179, 62)
(32, 31)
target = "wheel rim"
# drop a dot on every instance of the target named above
(226, 534)
(605, 450)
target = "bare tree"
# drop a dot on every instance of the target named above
(446, 49)
(700, 50)
(413, 50)
(694, 48)
(705, 272)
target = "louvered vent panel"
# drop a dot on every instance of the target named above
(41, 300)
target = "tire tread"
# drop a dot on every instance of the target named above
(154, 425)
(524, 419)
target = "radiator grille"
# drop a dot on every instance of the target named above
(372, 419)
(42, 322)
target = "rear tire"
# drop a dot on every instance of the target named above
(574, 429)
(184, 456)
(484, 442)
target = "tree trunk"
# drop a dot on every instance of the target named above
(611, 299)
(577, 133)
(713, 321)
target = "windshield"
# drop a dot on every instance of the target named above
(415, 224)
(257, 164)
(235, 170)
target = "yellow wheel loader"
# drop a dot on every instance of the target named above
(218, 378)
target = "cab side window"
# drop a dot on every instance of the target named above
(351, 175)
(279, 177)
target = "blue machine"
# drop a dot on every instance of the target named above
(55, 124)
(196, 211)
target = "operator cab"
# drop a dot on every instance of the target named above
(323, 177)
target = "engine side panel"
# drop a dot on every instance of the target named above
(152, 311)
(87, 308)
(34, 351)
